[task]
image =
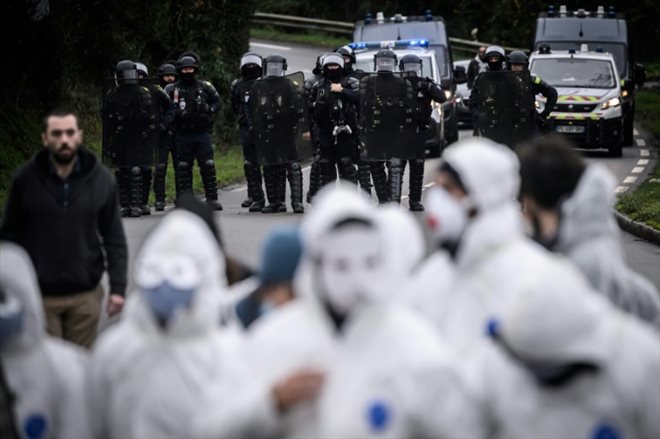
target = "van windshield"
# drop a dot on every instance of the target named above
(618, 51)
(367, 64)
(574, 72)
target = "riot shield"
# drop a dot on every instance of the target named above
(388, 120)
(278, 116)
(506, 106)
(130, 124)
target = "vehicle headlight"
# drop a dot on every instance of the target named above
(458, 99)
(624, 93)
(614, 102)
(448, 94)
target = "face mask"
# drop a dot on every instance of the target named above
(446, 216)
(11, 320)
(333, 75)
(352, 268)
(168, 284)
(495, 66)
(187, 77)
(252, 72)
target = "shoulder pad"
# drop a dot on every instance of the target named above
(536, 79)
(158, 87)
(235, 82)
(207, 83)
(145, 89)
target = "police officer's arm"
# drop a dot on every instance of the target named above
(233, 96)
(539, 86)
(167, 108)
(473, 104)
(472, 73)
(350, 93)
(434, 91)
(213, 99)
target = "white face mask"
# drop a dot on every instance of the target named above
(352, 268)
(446, 216)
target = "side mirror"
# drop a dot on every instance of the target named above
(460, 76)
(639, 74)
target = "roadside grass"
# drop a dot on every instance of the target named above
(313, 38)
(643, 204)
(652, 71)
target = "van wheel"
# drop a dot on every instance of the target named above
(615, 149)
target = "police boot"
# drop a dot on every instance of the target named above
(147, 175)
(416, 182)
(123, 185)
(328, 172)
(183, 178)
(210, 185)
(395, 178)
(281, 187)
(314, 178)
(364, 177)
(270, 178)
(255, 189)
(159, 186)
(135, 192)
(246, 171)
(380, 181)
(347, 170)
(296, 185)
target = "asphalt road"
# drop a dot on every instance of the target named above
(244, 232)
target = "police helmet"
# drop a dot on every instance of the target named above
(274, 65)
(385, 60)
(411, 63)
(126, 71)
(347, 51)
(251, 58)
(193, 54)
(187, 61)
(167, 68)
(518, 57)
(141, 68)
(332, 58)
(495, 52)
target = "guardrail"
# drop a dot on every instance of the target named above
(346, 28)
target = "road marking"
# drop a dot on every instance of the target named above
(637, 170)
(640, 142)
(620, 189)
(269, 46)
(635, 132)
(644, 152)
(643, 162)
(630, 179)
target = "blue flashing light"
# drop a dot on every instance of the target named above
(551, 11)
(398, 44)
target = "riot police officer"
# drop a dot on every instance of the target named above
(251, 68)
(276, 175)
(519, 62)
(166, 110)
(128, 110)
(166, 75)
(315, 169)
(427, 91)
(196, 102)
(333, 103)
(495, 58)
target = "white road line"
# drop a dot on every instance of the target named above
(644, 152)
(269, 46)
(637, 170)
(630, 179)
(635, 132)
(620, 189)
(643, 162)
(640, 142)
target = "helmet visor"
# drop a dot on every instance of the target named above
(129, 74)
(251, 59)
(275, 69)
(414, 67)
(385, 64)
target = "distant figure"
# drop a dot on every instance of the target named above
(476, 66)
(62, 208)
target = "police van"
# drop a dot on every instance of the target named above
(564, 29)
(588, 109)
(429, 28)
(364, 54)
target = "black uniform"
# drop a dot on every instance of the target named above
(427, 91)
(195, 102)
(332, 114)
(240, 97)
(315, 171)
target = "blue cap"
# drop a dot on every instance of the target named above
(280, 255)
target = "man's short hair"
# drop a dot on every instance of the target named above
(58, 112)
(549, 169)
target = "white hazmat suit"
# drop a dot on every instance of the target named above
(45, 374)
(146, 380)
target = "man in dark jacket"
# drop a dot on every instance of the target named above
(63, 209)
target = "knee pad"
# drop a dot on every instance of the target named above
(183, 166)
(161, 167)
(136, 171)
(209, 164)
(295, 166)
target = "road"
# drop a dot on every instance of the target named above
(243, 232)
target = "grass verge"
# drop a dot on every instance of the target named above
(313, 38)
(643, 205)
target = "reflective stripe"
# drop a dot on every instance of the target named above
(574, 116)
(537, 80)
(579, 98)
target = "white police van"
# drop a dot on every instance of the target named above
(364, 54)
(588, 110)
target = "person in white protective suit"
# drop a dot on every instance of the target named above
(343, 359)
(570, 206)
(565, 369)
(45, 375)
(148, 373)
(473, 212)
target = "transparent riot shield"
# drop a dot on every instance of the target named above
(388, 119)
(506, 106)
(130, 119)
(278, 116)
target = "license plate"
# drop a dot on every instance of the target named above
(572, 129)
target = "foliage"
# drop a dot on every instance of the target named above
(311, 38)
